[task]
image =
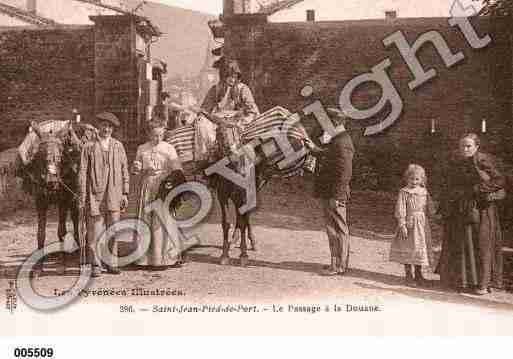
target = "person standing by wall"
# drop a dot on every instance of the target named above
(104, 187)
(412, 245)
(154, 162)
(471, 257)
(332, 185)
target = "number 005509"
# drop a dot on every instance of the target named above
(33, 352)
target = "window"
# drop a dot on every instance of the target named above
(390, 15)
(310, 15)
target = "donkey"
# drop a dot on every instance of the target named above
(53, 174)
(266, 166)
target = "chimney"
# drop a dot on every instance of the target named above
(228, 8)
(310, 15)
(236, 7)
(390, 15)
(32, 6)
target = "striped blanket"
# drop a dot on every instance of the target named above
(270, 121)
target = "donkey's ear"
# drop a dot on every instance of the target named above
(73, 135)
(35, 127)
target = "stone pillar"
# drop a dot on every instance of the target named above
(115, 71)
(243, 36)
(228, 8)
(237, 7)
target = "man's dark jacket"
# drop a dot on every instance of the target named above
(335, 169)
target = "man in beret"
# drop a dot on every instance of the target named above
(104, 187)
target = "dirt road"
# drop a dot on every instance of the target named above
(292, 247)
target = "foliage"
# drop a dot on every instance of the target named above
(365, 178)
(497, 7)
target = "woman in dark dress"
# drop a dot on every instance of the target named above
(471, 255)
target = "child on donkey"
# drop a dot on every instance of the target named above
(412, 244)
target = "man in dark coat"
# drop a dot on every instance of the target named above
(332, 186)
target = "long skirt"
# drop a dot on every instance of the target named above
(472, 253)
(162, 250)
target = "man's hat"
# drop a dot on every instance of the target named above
(232, 67)
(227, 66)
(108, 117)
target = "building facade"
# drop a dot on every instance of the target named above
(344, 10)
(280, 58)
(48, 69)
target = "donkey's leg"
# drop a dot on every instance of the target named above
(236, 231)
(225, 257)
(236, 234)
(76, 228)
(235, 239)
(61, 232)
(63, 212)
(242, 221)
(252, 240)
(41, 234)
(76, 223)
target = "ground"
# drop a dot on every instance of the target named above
(292, 248)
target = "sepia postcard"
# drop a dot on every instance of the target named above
(255, 167)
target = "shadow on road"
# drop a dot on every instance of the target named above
(435, 294)
(306, 267)
(10, 270)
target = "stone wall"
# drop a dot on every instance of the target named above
(45, 74)
(278, 60)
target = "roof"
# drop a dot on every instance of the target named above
(337, 10)
(278, 6)
(143, 23)
(25, 16)
(105, 6)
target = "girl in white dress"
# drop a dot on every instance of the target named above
(412, 244)
(154, 161)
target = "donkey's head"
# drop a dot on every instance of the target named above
(48, 160)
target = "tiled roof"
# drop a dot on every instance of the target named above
(142, 21)
(278, 6)
(110, 7)
(25, 16)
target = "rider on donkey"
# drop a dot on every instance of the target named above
(230, 105)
